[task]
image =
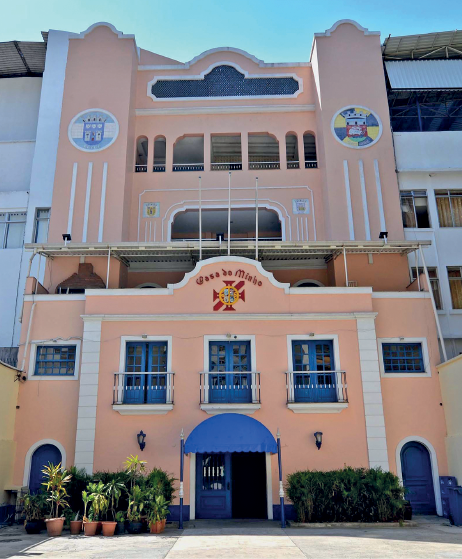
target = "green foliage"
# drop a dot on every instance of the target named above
(56, 480)
(113, 490)
(157, 509)
(346, 495)
(161, 483)
(120, 517)
(78, 483)
(135, 503)
(34, 506)
(99, 502)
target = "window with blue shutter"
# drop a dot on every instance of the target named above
(231, 365)
(313, 366)
(55, 360)
(146, 361)
(403, 358)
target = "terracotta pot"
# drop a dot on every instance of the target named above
(89, 528)
(156, 527)
(164, 522)
(76, 527)
(54, 526)
(109, 528)
(99, 527)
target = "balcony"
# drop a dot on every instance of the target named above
(188, 154)
(311, 164)
(263, 152)
(224, 392)
(316, 391)
(225, 152)
(143, 393)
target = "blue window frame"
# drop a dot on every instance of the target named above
(403, 358)
(55, 360)
(146, 357)
(232, 382)
(313, 366)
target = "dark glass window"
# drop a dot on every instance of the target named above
(403, 358)
(55, 360)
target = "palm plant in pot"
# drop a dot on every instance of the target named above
(56, 480)
(89, 525)
(75, 525)
(112, 490)
(120, 519)
(34, 506)
(135, 508)
(99, 503)
(158, 514)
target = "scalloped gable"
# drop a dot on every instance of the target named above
(328, 32)
(229, 264)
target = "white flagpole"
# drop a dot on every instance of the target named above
(200, 218)
(229, 213)
(256, 218)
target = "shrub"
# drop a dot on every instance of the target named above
(346, 495)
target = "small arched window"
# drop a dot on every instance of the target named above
(160, 154)
(149, 285)
(293, 161)
(308, 283)
(309, 145)
(141, 156)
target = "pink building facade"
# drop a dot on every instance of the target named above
(169, 303)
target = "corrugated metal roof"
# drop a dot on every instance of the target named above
(446, 44)
(425, 74)
(22, 58)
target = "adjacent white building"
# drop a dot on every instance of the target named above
(424, 80)
(31, 85)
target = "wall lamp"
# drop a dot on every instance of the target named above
(318, 437)
(66, 237)
(141, 436)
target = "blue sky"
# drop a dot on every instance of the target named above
(273, 30)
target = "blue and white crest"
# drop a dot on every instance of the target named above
(93, 130)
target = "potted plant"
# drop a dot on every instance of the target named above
(33, 510)
(134, 466)
(112, 490)
(135, 507)
(120, 519)
(75, 525)
(89, 525)
(158, 514)
(99, 503)
(56, 480)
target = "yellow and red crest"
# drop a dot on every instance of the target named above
(229, 295)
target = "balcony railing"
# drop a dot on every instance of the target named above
(264, 165)
(141, 168)
(181, 167)
(158, 168)
(226, 166)
(316, 387)
(293, 164)
(311, 164)
(230, 388)
(143, 388)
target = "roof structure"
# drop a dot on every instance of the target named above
(445, 44)
(22, 59)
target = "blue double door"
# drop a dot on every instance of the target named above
(314, 376)
(230, 365)
(149, 358)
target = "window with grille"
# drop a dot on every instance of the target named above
(145, 379)
(224, 81)
(313, 366)
(12, 225)
(403, 358)
(414, 209)
(55, 360)
(449, 205)
(434, 281)
(455, 285)
(42, 222)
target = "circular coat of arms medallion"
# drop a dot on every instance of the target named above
(228, 295)
(356, 127)
(93, 130)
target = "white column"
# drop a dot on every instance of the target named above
(103, 204)
(362, 181)
(192, 486)
(346, 175)
(269, 486)
(383, 226)
(87, 203)
(372, 394)
(88, 394)
(70, 216)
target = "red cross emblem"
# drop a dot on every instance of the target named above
(228, 295)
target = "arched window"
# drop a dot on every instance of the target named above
(263, 151)
(141, 156)
(149, 285)
(160, 154)
(41, 457)
(309, 145)
(308, 283)
(188, 153)
(293, 161)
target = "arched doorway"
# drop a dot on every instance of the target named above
(41, 457)
(418, 478)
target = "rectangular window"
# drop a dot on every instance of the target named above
(414, 209)
(231, 363)
(449, 204)
(313, 366)
(455, 285)
(55, 360)
(434, 281)
(403, 358)
(12, 225)
(146, 361)
(42, 221)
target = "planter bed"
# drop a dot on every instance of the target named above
(404, 524)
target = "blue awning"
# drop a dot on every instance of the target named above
(230, 432)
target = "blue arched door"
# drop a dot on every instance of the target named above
(417, 478)
(41, 457)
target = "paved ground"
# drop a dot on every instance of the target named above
(432, 538)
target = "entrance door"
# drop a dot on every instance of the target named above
(41, 457)
(417, 478)
(248, 477)
(213, 485)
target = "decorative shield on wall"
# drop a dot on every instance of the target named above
(93, 130)
(356, 127)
